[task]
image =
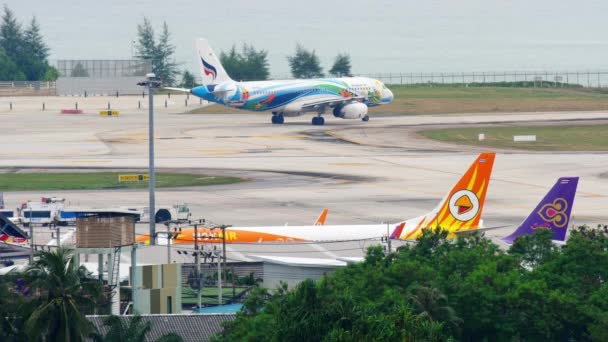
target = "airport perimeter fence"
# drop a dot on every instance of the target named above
(25, 88)
(120, 77)
(532, 79)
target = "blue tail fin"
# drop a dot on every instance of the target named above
(553, 212)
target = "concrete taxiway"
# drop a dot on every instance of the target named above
(363, 172)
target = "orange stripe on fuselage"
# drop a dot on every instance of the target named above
(407, 236)
(186, 236)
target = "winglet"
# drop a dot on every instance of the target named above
(321, 219)
(552, 213)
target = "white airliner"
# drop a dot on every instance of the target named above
(346, 97)
(459, 211)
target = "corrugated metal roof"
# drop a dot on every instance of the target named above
(303, 262)
(191, 327)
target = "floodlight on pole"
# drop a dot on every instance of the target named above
(151, 84)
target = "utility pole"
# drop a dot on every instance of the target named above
(31, 237)
(168, 224)
(219, 279)
(233, 285)
(134, 273)
(388, 237)
(31, 242)
(58, 231)
(197, 259)
(223, 228)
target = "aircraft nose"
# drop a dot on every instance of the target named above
(388, 95)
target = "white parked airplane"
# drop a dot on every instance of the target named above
(459, 211)
(346, 97)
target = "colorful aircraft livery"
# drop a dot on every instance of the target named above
(552, 213)
(345, 97)
(460, 210)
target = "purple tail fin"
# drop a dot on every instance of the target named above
(553, 212)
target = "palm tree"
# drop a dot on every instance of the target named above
(64, 291)
(430, 303)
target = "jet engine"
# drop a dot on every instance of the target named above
(355, 110)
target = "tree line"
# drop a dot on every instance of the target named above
(23, 52)
(246, 64)
(24, 56)
(251, 64)
(467, 289)
(444, 290)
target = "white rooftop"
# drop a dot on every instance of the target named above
(305, 262)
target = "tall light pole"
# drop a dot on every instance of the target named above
(151, 84)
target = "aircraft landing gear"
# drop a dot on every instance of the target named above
(278, 118)
(365, 118)
(318, 121)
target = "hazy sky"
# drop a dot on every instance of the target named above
(381, 36)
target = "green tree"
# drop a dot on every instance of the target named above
(443, 289)
(26, 54)
(305, 63)
(341, 67)
(166, 68)
(187, 80)
(432, 304)
(535, 249)
(146, 42)
(11, 35)
(12, 308)
(34, 53)
(8, 69)
(32, 39)
(160, 54)
(67, 294)
(51, 74)
(248, 65)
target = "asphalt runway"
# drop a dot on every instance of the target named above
(364, 173)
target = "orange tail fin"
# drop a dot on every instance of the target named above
(321, 219)
(461, 209)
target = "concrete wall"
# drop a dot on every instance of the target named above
(124, 85)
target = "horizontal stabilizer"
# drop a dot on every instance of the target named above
(181, 90)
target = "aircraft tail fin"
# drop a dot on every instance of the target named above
(321, 219)
(212, 70)
(553, 212)
(461, 209)
(11, 233)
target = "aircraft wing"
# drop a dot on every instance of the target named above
(470, 231)
(312, 106)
